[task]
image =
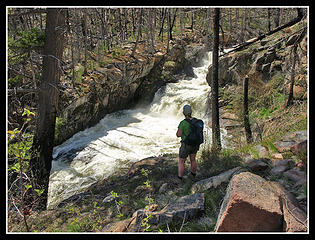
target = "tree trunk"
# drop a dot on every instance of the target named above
(168, 29)
(181, 13)
(248, 131)
(230, 20)
(277, 17)
(139, 33)
(269, 21)
(43, 141)
(85, 40)
(243, 25)
(290, 97)
(151, 31)
(216, 141)
(162, 24)
(192, 21)
(172, 23)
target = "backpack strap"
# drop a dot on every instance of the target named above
(190, 121)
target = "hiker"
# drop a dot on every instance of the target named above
(185, 150)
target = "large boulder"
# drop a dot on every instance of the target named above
(252, 204)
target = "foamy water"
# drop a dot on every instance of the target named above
(127, 136)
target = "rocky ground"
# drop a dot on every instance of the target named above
(243, 189)
(252, 195)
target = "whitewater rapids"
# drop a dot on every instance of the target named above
(127, 136)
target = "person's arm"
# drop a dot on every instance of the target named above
(179, 133)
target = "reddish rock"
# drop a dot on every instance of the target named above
(250, 205)
(253, 204)
(299, 148)
(291, 140)
(284, 146)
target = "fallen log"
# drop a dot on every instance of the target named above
(241, 46)
(214, 181)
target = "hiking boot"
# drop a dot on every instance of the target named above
(179, 180)
(192, 176)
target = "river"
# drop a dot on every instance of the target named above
(127, 136)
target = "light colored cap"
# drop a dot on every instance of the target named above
(187, 110)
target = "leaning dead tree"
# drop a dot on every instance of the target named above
(260, 37)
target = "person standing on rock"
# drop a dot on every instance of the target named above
(185, 150)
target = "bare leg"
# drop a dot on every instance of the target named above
(181, 167)
(193, 163)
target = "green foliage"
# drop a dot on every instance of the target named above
(20, 149)
(145, 221)
(19, 146)
(118, 203)
(25, 40)
(14, 81)
(84, 223)
(268, 143)
(59, 123)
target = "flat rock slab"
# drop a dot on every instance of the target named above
(186, 207)
(290, 140)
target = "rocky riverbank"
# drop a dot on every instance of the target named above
(123, 84)
(256, 192)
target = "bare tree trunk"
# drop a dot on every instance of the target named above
(277, 17)
(85, 40)
(172, 23)
(151, 31)
(43, 141)
(290, 97)
(248, 131)
(230, 20)
(168, 29)
(209, 30)
(243, 26)
(133, 21)
(181, 13)
(139, 33)
(216, 140)
(237, 15)
(192, 21)
(269, 21)
(162, 24)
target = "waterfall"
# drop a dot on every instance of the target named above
(127, 136)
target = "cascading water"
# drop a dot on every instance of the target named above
(127, 136)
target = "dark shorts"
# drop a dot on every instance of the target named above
(186, 150)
